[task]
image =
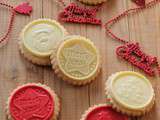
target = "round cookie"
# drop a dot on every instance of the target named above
(39, 39)
(103, 112)
(130, 92)
(77, 60)
(33, 101)
(93, 2)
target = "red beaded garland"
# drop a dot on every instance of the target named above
(132, 52)
(23, 8)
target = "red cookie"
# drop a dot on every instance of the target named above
(103, 112)
(33, 102)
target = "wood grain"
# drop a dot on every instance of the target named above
(15, 70)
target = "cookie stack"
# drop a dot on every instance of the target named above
(74, 59)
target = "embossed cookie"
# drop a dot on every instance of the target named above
(130, 93)
(77, 60)
(33, 102)
(39, 39)
(93, 2)
(103, 112)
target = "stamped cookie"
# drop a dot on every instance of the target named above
(33, 102)
(77, 60)
(130, 93)
(93, 2)
(103, 112)
(39, 39)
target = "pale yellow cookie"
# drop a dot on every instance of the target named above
(92, 2)
(33, 101)
(130, 92)
(39, 39)
(77, 60)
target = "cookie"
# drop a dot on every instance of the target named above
(103, 112)
(39, 39)
(33, 101)
(93, 2)
(130, 92)
(77, 60)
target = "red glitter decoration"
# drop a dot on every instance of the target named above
(132, 52)
(24, 8)
(139, 2)
(75, 14)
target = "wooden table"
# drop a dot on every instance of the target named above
(15, 70)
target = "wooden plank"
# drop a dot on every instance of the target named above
(144, 28)
(74, 100)
(15, 70)
(110, 62)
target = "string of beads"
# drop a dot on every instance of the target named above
(132, 52)
(23, 8)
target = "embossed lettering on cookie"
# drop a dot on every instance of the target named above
(77, 60)
(130, 92)
(39, 38)
(33, 101)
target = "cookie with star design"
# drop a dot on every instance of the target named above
(77, 60)
(39, 39)
(33, 102)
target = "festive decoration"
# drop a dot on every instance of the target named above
(132, 52)
(75, 14)
(139, 2)
(23, 8)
